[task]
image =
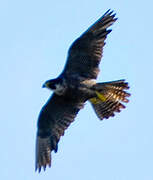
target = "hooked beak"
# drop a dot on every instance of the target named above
(44, 85)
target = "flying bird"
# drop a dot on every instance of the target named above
(76, 85)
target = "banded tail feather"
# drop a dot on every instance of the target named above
(109, 98)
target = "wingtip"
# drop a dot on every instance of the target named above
(39, 168)
(43, 154)
(109, 12)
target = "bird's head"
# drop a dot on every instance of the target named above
(51, 84)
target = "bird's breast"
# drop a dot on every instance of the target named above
(78, 91)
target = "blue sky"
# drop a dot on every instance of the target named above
(34, 39)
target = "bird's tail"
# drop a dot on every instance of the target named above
(109, 98)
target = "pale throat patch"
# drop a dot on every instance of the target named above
(60, 89)
(90, 82)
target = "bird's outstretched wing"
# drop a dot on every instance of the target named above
(54, 119)
(86, 52)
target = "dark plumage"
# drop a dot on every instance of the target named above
(75, 86)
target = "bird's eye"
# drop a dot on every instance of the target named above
(52, 86)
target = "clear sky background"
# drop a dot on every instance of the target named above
(34, 39)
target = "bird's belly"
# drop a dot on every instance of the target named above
(79, 93)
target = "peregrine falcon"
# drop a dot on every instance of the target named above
(76, 85)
